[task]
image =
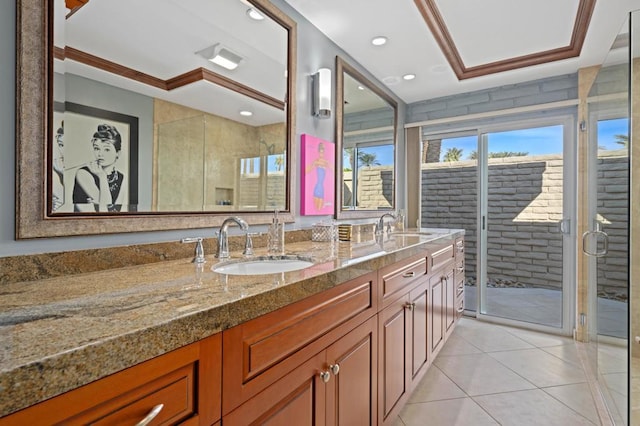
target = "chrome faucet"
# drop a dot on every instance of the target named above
(380, 226)
(223, 240)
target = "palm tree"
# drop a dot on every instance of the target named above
(367, 159)
(279, 162)
(452, 154)
(622, 140)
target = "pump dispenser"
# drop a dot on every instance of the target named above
(276, 235)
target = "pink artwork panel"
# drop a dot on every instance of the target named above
(318, 176)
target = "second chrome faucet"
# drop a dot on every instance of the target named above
(223, 239)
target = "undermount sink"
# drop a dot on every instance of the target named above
(263, 265)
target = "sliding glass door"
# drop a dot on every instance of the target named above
(525, 224)
(507, 187)
(449, 195)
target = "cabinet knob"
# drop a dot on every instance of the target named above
(335, 368)
(410, 306)
(152, 415)
(409, 274)
(325, 376)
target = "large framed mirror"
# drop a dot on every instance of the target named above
(146, 115)
(366, 125)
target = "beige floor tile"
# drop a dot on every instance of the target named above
(531, 407)
(540, 340)
(451, 412)
(577, 397)
(492, 339)
(436, 386)
(616, 382)
(540, 368)
(479, 374)
(456, 345)
(568, 353)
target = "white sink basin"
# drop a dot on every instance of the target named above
(263, 265)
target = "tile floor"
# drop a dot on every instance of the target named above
(489, 374)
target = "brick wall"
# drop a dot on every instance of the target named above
(525, 207)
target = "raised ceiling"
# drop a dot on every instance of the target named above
(458, 46)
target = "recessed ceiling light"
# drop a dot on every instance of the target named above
(360, 87)
(246, 113)
(379, 41)
(254, 14)
(409, 76)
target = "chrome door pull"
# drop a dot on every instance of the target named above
(152, 415)
(409, 274)
(605, 243)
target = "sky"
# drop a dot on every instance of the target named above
(536, 141)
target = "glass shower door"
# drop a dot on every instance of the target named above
(606, 240)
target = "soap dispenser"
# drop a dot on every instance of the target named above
(276, 236)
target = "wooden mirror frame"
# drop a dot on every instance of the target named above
(34, 107)
(343, 67)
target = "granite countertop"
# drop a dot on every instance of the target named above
(60, 333)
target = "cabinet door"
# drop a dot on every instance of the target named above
(351, 392)
(436, 313)
(299, 398)
(393, 326)
(450, 296)
(419, 331)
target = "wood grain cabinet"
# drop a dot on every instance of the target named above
(180, 387)
(350, 355)
(313, 361)
(334, 387)
(403, 334)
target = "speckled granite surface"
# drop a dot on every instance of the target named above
(59, 333)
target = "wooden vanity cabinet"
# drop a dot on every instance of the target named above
(185, 382)
(402, 331)
(313, 361)
(334, 387)
(459, 278)
(443, 297)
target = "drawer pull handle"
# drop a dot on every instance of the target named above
(461, 269)
(152, 415)
(409, 274)
(460, 309)
(461, 287)
(325, 376)
(410, 306)
(335, 368)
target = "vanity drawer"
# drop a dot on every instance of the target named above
(459, 308)
(459, 249)
(442, 256)
(180, 387)
(394, 280)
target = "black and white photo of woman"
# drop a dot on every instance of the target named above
(97, 185)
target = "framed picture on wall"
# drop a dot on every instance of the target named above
(318, 176)
(94, 161)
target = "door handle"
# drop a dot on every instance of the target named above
(565, 226)
(597, 234)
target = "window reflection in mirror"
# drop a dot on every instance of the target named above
(146, 120)
(366, 136)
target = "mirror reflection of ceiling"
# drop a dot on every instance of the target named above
(358, 97)
(174, 31)
(481, 31)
